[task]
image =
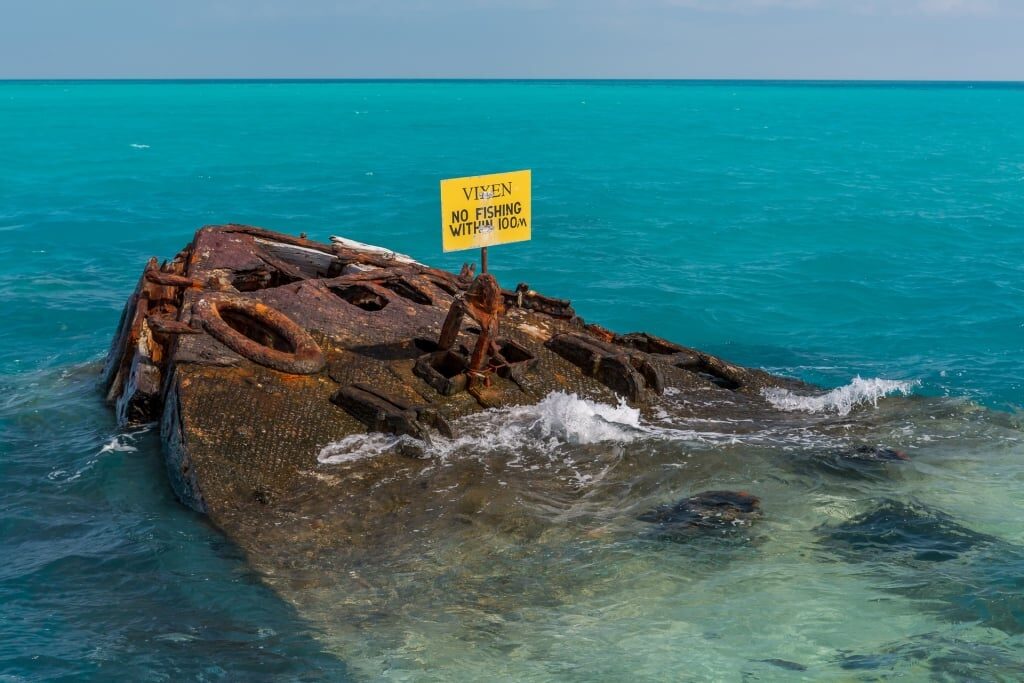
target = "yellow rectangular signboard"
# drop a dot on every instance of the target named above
(480, 211)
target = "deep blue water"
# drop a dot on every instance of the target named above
(820, 230)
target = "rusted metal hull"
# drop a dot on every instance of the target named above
(255, 349)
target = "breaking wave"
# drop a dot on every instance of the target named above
(560, 418)
(840, 400)
(563, 419)
(576, 420)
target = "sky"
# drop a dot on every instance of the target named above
(799, 39)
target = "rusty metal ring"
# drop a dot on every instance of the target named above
(305, 356)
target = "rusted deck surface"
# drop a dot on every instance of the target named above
(255, 350)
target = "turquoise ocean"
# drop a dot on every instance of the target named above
(866, 237)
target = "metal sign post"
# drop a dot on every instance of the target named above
(481, 211)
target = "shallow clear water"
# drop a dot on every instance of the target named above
(824, 232)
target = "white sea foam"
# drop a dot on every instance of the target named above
(121, 443)
(558, 419)
(358, 446)
(562, 419)
(576, 420)
(137, 145)
(840, 400)
(125, 441)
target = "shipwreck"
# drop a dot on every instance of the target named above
(255, 349)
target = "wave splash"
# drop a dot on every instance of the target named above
(576, 420)
(563, 419)
(840, 400)
(560, 418)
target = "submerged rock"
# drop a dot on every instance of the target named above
(860, 462)
(708, 511)
(904, 533)
(925, 555)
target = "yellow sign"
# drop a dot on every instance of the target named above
(482, 210)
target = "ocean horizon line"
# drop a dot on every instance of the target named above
(756, 81)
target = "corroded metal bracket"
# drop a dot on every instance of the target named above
(383, 412)
(444, 370)
(482, 302)
(484, 305)
(524, 297)
(714, 370)
(621, 371)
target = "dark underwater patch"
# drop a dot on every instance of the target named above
(946, 658)
(860, 462)
(785, 664)
(901, 532)
(703, 513)
(925, 555)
